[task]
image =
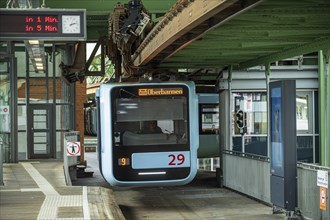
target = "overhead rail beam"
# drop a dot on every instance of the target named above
(185, 22)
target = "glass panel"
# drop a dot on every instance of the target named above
(58, 60)
(21, 62)
(317, 149)
(5, 109)
(255, 106)
(210, 119)
(40, 119)
(63, 93)
(304, 112)
(22, 146)
(237, 144)
(21, 117)
(40, 90)
(59, 144)
(316, 112)
(64, 119)
(21, 91)
(49, 59)
(259, 125)
(33, 73)
(40, 140)
(209, 164)
(5, 118)
(50, 90)
(256, 145)
(40, 137)
(59, 123)
(5, 140)
(305, 149)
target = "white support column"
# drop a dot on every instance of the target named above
(327, 108)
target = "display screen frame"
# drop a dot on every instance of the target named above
(41, 24)
(276, 131)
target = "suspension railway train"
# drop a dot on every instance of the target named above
(153, 133)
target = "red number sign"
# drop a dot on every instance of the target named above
(176, 160)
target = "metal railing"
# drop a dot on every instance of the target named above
(250, 174)
(312, 166)
(309, 192)
(248, 155)
(247, 173)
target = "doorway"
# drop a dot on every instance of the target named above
(40, 133)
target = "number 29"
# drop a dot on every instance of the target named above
(176, 160)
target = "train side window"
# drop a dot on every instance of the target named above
(209, 119)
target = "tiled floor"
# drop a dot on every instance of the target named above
(37, 190)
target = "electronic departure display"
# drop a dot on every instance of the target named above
(148, 133)
(42, 24)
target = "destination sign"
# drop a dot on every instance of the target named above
(160, 91)
(29, 23)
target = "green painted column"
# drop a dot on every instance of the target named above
(322, 90)
(328, 106)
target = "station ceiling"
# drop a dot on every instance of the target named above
(265, 32)
(269, 31)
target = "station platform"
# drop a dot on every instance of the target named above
(38, 190)
(198, 200)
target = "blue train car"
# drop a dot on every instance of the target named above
(148, 133)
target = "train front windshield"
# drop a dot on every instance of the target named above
(148, 133)
(149, 120)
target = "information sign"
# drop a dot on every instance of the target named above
(42, 24)
(323, 198)
(4, 110)
(73, 149)
(322, 178)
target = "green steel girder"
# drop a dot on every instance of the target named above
(317, 44)
(271, 31)
(104, 6)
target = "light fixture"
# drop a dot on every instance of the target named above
(33, 41)
(37, 59)
(36, 51)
